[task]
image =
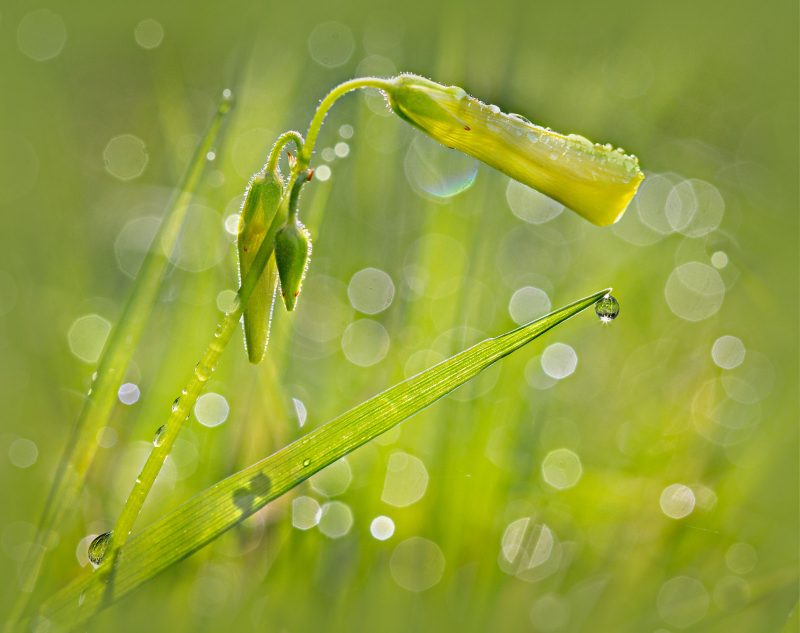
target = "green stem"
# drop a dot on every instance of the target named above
(280, 143)
(222, 335)
(82, 446)
(186, 401)
(319, 116)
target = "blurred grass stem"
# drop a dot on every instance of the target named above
(81, 447)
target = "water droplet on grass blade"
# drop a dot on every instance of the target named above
(176, 403)
(607, 309)
(159, 436)
(201, 372)
(98, 547)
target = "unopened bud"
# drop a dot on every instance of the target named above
(596, 181)
(292, 254)
(258, 209)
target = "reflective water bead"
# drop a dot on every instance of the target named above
(98, 547)
(159, 436)
(519, 117)
(607, 309)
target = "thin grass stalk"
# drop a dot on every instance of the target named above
(183, 405)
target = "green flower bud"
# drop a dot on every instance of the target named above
(292, 254)
(596, 181)
(258, 209)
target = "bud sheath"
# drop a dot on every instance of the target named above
(258, 209)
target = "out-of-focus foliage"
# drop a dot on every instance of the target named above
(631, 477)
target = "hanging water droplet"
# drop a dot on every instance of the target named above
(176, 403)
(98, 547)
(159, 436)
(607, 309)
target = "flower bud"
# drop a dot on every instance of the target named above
(292, 254)
(258, 209)
(596, 181)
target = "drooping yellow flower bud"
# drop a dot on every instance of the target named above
(258, 209)
(596, 181)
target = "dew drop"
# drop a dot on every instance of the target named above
(201, 372)
(306, 462)
(607, 309)
(98, 547)
(519, 117)
(159, 437)
(176, 403)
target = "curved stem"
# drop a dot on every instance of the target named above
(283, 140)
(325, 105)
(297, 183)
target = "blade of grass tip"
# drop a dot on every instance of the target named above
(207, 515)
(82, 447)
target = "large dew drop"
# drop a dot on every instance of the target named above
(98, 547)
(607, 309)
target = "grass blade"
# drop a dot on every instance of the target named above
(204, 517)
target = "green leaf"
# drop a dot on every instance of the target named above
(215, 510)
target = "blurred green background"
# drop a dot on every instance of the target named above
(640, 476)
